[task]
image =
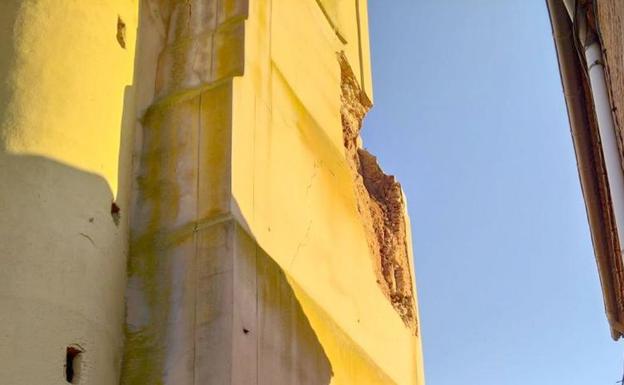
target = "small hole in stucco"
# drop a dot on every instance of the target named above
(115, 213)
(121, 32)
(246, 331)
(72, 364)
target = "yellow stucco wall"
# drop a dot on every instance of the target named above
(295, 191)
(65, 139)
(349, 19)
(244, 215)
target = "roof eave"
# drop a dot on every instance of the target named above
(589, 161)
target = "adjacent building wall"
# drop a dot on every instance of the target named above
(578, 24)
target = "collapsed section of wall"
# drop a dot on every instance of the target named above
(380, 203)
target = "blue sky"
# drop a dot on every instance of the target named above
(469, 115)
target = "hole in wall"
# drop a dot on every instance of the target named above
(115, 213)
(121, 32)
(72, 364)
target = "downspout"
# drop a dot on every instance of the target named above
(570, 6)
(606, 125)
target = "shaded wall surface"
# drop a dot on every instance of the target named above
(253, 244)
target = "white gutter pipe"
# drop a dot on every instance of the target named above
(608, 137)
(570, 6)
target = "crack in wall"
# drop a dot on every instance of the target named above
(301, 243)
(88, 237)
(380, 203)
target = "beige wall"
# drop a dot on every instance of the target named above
(66, 106)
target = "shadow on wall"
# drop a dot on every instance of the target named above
(281, 319)
(248, 322)
(39, 193)
(288, 348)
(48, 209)
(58, 274)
